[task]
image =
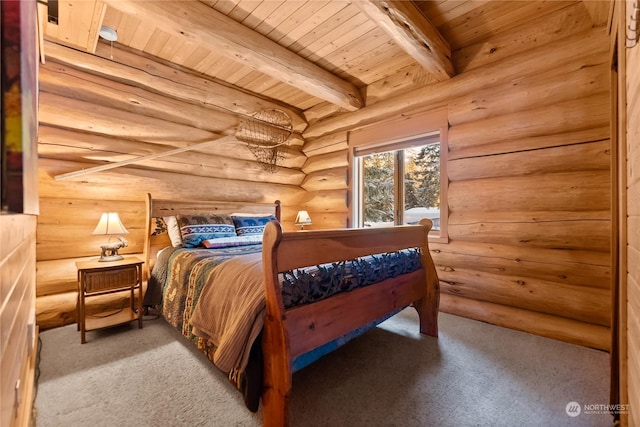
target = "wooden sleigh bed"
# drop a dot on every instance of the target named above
(294, 335)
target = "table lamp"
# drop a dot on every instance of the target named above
(110, 225)
(303, 219)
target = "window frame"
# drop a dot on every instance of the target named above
(396, 135)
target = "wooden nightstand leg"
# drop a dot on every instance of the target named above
(81, 324)
(78, 301)
(83, 338)
(140, 313)
(78, 311)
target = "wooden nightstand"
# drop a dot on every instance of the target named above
(101, 278)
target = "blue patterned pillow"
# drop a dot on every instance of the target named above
(247, 225)
(197, 228)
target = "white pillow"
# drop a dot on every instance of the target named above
(173, 230)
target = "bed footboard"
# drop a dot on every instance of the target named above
(289, 333)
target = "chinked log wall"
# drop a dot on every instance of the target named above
(95, 109)
(529, 170)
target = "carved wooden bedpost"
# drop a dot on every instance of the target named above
(428, 306)
(275, 339)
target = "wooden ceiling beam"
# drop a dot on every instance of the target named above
(139, 71)
(196, 22)
(413, 32)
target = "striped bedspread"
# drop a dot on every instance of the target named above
(230, 313)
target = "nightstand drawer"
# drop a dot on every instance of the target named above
(98, 281)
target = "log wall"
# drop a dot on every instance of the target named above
(529, 169)
(17, 322)
(529, 179)
(94, 109)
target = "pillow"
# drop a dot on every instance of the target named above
(247, 224)
(194, 229)
(159, 238)
(228, 242)
(158, 226)
(173, 230)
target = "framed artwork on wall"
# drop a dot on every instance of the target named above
(19, 102)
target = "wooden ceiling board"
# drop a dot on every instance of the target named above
(325, 31)
(332, 34)
(441, 12)
(222, 6)
(197, 57)
(126, 27)
(306, 17)
(113, 19)
(260, 14)
(289, 95)
(202, 62)
(187, 49)
(141, 35)
(157, 42)
(361, 46)
(354, 28)
(209, 3)
(171, 49)
(71, 31)
(397, 57)
(302, 100)
(229, 70)
(277, 17)
(267, 86)
(373, 40)
(242, 9)
(258, 82)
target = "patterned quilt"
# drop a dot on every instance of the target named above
(215, 298)
(182, 275)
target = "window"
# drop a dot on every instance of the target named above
(399, 175)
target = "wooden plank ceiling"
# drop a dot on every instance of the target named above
(319, 57)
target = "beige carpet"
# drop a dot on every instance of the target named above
(474, 374)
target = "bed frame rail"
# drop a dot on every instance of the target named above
(293, 332)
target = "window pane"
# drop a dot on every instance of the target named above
(422, 184)
(377, 189)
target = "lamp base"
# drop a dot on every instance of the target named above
(110, 258)
(110, 250)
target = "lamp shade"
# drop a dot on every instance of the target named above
(110, 224)
(303, 218)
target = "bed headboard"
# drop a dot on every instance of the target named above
(157, 208)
